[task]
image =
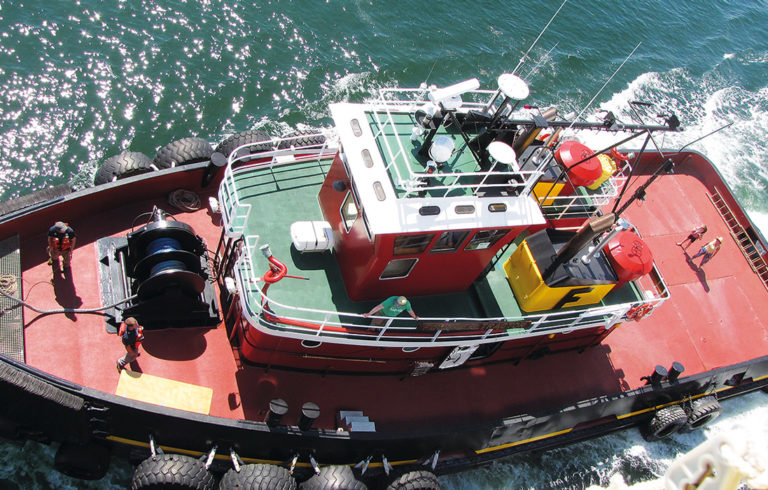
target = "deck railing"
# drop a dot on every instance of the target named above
(398, 160)
(280, 151)
(262, 311)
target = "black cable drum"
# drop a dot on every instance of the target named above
(167, 255)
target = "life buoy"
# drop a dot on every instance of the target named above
(639, 312)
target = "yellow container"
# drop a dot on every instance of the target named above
(533, 294)
(548, 190)
(609, 168)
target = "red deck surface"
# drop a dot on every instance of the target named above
(715, 317)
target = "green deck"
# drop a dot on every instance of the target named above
(288, 193)
(398, 133)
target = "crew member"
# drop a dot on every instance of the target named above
(61, 242)
(132, 334)
(391, 307)
(693, 236)
(709, 250)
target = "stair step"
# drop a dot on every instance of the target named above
(362, 427)
(345, 415)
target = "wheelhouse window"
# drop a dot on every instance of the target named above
(412, 244)
(349, 211)
(449, 241)
(398, 268)
(485, 239)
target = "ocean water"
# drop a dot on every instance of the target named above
(84, 80)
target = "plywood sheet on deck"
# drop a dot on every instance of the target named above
(164, 392)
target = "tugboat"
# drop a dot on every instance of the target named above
(445, 278)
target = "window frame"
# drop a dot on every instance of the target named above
(428, 237)
(459, 243)
(410, 269)
(493, 241)
(350, 197)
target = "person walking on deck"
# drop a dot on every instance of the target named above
(709, 250)
(391, 307)
(132, 335)
(61, 242)
(693, 236)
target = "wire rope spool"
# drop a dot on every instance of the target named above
(166, 254)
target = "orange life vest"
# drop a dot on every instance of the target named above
(139, 334)
(63, 243)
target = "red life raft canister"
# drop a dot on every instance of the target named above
(584, 174)
(630, 257)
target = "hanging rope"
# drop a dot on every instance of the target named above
(65, 310)
(184, 200)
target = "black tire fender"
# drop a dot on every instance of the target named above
(174, 471)
(302, 138)
(703, 411)
(257, 139)
(334, 478)
(86, 462)
(258, 477)
(665, 422)
(415, 480)
(126, 164)
(183, 152)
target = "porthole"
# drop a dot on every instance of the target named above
(378, 189)
(410, 349)
(311, 344)
(429, 210)
(367, 160)
(464, 209)
(356, 129)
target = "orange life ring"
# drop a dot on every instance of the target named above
(639, 312)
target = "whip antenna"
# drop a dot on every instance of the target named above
(522, 60)
(705, 136)
(538, 64)
(604, 85)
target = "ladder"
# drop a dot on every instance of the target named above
(752, 251)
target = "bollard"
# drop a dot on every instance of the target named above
(675, 371)
(309, 412)
(277, 408)
(658, 375)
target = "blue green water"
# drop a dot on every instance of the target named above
(84, 80)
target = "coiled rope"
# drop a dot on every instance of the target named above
(184, 200)
(8, 283)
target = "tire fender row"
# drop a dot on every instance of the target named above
(183, 472)
(684, 417)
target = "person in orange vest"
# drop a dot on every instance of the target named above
(61, 242)
(132, 334)
(709, 250)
